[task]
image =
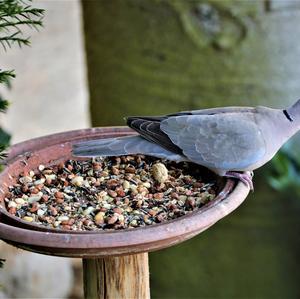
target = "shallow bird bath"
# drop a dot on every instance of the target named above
(114, 254)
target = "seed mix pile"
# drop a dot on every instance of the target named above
(107, 193)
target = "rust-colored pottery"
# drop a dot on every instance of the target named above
(56, 148)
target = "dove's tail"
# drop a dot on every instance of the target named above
(128, 145)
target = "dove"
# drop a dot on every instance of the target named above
(230, 141)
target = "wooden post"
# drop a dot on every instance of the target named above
(125, 277)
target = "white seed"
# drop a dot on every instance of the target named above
(67, 197)
(147, 185)
(67, 208)
(50, 176)
(86, 184)
(63, 218)
(101, 195)
(33, 199)
(28, 218)
(12, 204)
(31, 173)
(121, 218)
(126, 185)
(133, 223)
(25, 180)
(40, 212)
(159, 172)
(90, 172)
(39, 182)
(88, 211)
(107, 206)
(56, 223)
(77, 181)
(19, 201)
(182, 198)
(99, 217)
(41, 167)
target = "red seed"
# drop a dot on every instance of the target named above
(152, 212)
(174, 195)
(172, 207)
(40, 187)
(45, 198)
(61, 165)
(34, 191)
(112, 193)
(120, 192)
(59, 200)
(25, 188)
(34, 208)
(191, 202)
(115, 170)
(48, 182)
(87, 222)
(53, 211)
(158, 195)
(117, 210)
(161, 217)
(112, 219)
(197, 185)
(71, 221)
(12, 211)
(97, 166)
(66, 227)
(58, 194)
(129, 169)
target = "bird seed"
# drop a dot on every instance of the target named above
(108, 193)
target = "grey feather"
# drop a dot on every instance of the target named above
(123, 146)
(237, 141)
(222, 139)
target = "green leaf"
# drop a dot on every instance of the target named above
(14, 15)
(6, 76)
(4, 138)
(285, 172)
(3, 104)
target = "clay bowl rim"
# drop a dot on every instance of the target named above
(180, 228)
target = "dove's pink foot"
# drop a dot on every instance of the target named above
(246, 178)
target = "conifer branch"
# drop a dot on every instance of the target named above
(14, 15)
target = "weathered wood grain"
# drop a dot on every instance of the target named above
(125, 277)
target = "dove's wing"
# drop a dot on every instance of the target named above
(149, 126)
(123, 146)
(225, 141)
(217, 110)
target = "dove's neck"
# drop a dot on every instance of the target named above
(278, 125)
(293, 112)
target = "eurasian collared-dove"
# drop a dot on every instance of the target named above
(226, 140)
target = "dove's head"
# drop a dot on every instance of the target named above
(293, 112)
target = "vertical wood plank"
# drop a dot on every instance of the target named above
(125, 277)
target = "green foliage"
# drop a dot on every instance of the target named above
(14, 14)
(285, 171)
(6, 76)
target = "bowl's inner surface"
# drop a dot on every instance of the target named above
(48, 156)
(108, 193)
